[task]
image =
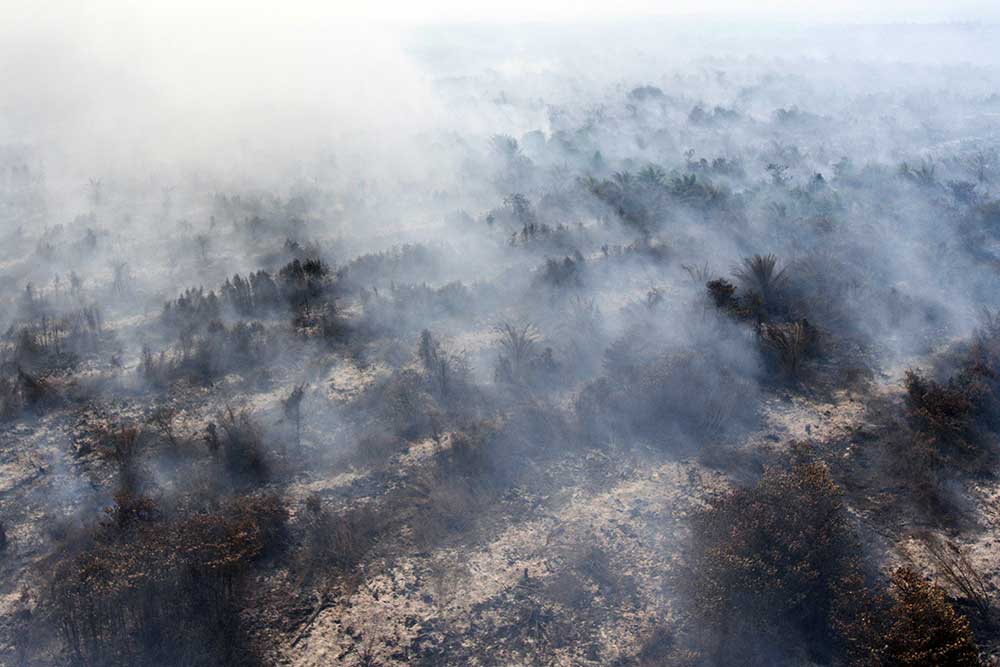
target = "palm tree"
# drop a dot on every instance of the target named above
(517, 350)
(981, 163)
(791, 343)
(623, 179)
(760, 274)
(699, 273)
(652, 175)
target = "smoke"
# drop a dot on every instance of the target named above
(436, 257)
(111, 90)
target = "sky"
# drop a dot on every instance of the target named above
(67, 12)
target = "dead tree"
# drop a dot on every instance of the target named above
(292, 408)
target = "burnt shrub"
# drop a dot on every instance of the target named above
(26, 391)
(407, 307)
(469, 454)
(399, 405)
(565, 272)
(771, 566)
(957, 571)
(163, 422)
(299, 284)
(122, 443)
(790, 345)
(957, 417)
(332, 326)
(925, 629)
(10, 399)
(463, 480)
(447, 374)
(946, 430)
(687, 395)
(721, 292)
(303, 281)
(164, 591)
(408, 263)
(241, 445)
(54, 342)
(445, 505)
(915, 464)
(764, 295)
(191, 309)
(336, 542)
(909, 623)
(130, 509)
(204, 356)
(945, 411)
(254, 295)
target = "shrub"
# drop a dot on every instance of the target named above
(303, 281)
(945, 415)
(567, 272)
(691, 395)
(240, 444)
(700, 274)
(944, 409)
(790, 343)
(721, 291)
(769, 565)
(445, 372)
(406, 263)
(122, 445)
(400, 405)
(192, 309)
(406, 307)
(10, 399)
(254, 295)
(925, 629)
(162, 420)
(27, 391)
(156, 591)
(953, 566)
(911, 625)
(205, 355)
(56, 342)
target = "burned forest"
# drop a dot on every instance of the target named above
(666, 342)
